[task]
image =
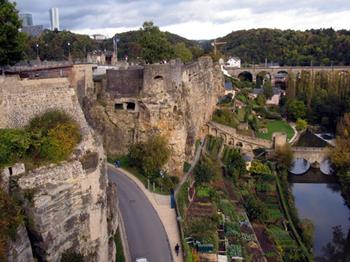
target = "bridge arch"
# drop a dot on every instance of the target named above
(326, 167)
(283, 72)
(299, 166)
(281, 79)
(245, 76)
(223, 136)
(231, 141)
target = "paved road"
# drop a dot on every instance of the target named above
(144, 230)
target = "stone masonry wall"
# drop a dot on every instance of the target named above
(69, 209)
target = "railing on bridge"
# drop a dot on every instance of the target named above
(309, 149)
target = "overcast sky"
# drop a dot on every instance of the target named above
(193, 19)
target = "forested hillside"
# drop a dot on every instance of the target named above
(288, 47)
(53, 45)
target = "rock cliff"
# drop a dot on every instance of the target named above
(67, 205)
(173, 100)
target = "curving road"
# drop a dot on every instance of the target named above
(145, 232)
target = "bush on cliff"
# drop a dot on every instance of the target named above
(49, 138)
(150, 156)
(13, 145)
(54, 136)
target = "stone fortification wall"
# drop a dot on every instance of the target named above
(81, 80)
(68, 209)
(175, 101)
(124, 82)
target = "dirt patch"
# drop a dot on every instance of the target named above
(266, 243)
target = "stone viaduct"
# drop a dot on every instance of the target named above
(230, 137)
(273, 71)
(314, 155)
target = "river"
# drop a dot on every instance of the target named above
(325, 207)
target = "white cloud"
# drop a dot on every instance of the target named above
(194, 19)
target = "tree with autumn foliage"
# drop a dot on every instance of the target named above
(340, 155)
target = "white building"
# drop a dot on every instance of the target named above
(233, 62)
(55, 20)
(99, 37)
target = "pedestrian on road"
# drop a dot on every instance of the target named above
(177, 249)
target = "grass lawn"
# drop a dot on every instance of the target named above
(277, 126)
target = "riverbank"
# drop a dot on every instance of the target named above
(293, 218)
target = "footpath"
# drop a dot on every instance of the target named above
(161, 203)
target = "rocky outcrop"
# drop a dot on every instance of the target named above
(69, 205)
(173, 100)
(20, 248)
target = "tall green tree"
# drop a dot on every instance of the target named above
(340, 155)
(150, 156)
(182, 52)
(11, 40)
(155, 46)
(268, 90)
(296, 109)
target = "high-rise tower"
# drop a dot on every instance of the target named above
(27, 19)
(55, 20)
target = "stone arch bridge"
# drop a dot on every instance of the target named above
(314, 155)
(273, 71)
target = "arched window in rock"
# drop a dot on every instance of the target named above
(158, 77)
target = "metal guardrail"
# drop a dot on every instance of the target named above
(179, 225)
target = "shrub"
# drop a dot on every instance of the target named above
(296, 109)
(259, 168)
(13, 145)
(256, 209)
(51, 137)
(227, 208)
(59, 142)
(301, 124)
(150, 156)
(225, 117)
(186, 167)
(182, 198)
(204, 170)
(203, 191)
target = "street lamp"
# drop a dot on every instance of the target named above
(69, 57)
(37, 50)
(116, 40)
(68, 48)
